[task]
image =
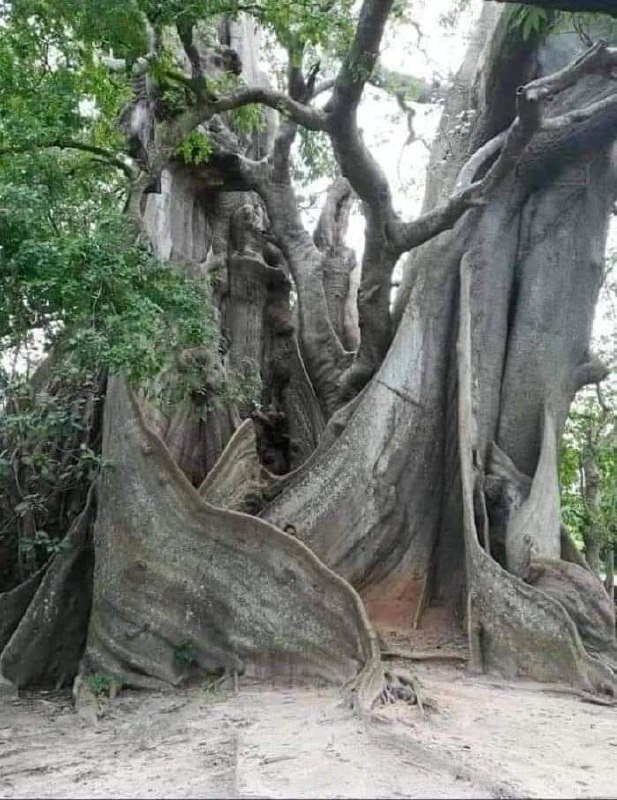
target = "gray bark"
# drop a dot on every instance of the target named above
(339, 262)
(201, 596)
(455, 434)
(392, 526)
(220, 236)
(46, 646)
(238, 481)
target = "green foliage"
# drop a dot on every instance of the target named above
(50, 546)
(185, 654)
(47, 454)
(590, 433)
(71, 270)
(530, 21)
(196, 148)
(248, 119)
(99, 684)
(242, 387)
(535, 22)
(298, 24)
(245, 119)
(314, 157)
(51, 84)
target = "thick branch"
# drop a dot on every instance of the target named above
(299, 92)
(339, 260)
(360, 61)
(592, 371)
(565, 121)
(323, 352)
(304, 115)
(378, 262)
(408, 235)
(530, 102)
(478, 160)
(332, 223)
(598, 58)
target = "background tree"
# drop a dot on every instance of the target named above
(587, 467)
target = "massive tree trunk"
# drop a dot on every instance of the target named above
(434, 491)
(383, 506)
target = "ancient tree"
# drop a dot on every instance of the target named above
(402, 456)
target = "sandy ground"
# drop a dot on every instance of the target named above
(267, 742)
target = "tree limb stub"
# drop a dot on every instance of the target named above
(592, 371)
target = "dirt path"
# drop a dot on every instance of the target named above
(275, 742)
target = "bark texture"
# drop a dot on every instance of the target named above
(513, 628)
(232, 593)
(47, 644)
(14, 604)
(437, 483)
(393, 523)
(238, 481)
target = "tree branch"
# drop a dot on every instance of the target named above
(597, 59)
(362, 57)
(304, 115)
(408, 235)
(564, 121)
(477, 161)
(531, 98)
(592, 371)
(404, 87)
(601, 6)
(69, 144)
(300, 93)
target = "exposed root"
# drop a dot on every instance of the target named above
(402, 686)
(516, 629)
(557, 688)
(423, 655)
(182, 584)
